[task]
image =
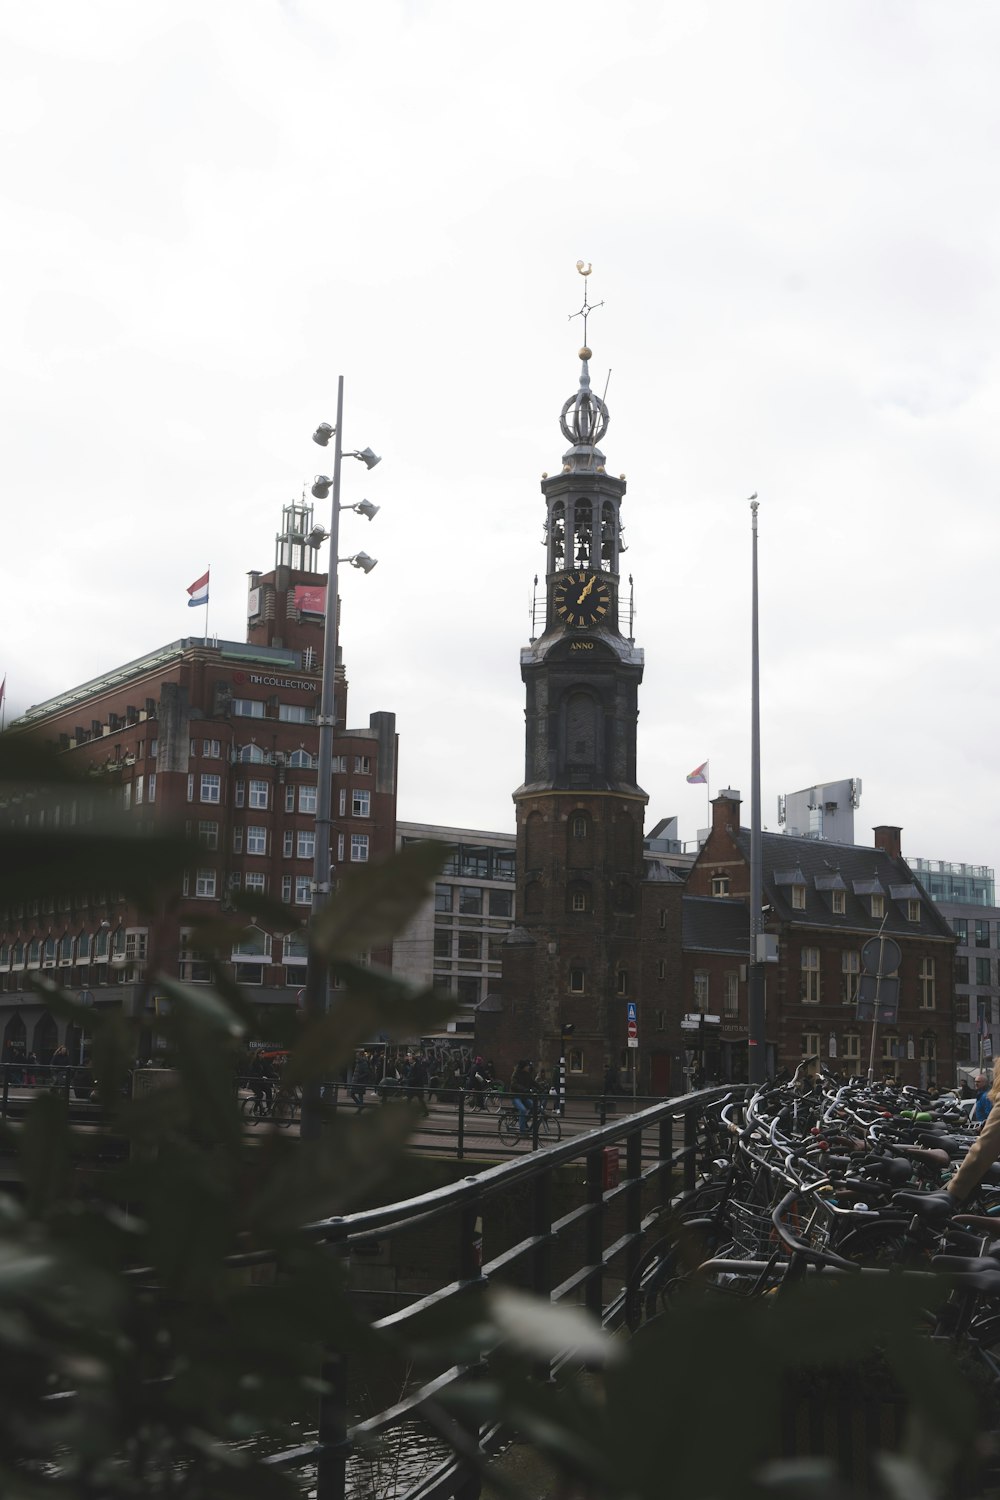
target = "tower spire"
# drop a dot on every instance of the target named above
(584, 418)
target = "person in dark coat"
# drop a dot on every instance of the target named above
(361, 1078)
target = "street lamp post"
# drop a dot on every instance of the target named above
(315, 991)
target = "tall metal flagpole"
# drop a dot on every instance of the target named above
(756, 1025)
(207, 598)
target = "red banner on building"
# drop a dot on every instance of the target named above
(310, 600)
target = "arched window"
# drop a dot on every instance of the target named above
(578, 896)
(252, 754)
(301, 759)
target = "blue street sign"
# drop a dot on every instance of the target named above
(632, 1015)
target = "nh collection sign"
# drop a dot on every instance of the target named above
(258, 679)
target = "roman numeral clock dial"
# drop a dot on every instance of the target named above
(582, 598)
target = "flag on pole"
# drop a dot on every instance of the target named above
(699, 774)
(3, 689)
(984, 1026)
(199, 591)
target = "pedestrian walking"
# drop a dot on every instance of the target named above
(360, 1080)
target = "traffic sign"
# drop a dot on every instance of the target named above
(632, 1011)
(696, 1017)
(633, 1041)
(687, 1025)
(633, 1029)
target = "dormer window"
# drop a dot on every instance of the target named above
(798, 897)
(913, 911)
(878, 906)
(838, 902)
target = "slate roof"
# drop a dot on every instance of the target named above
(715, 924)
(862, 871)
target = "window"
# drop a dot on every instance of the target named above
(838, 901)
(580, 825)
(359, 848)
(211, 787)
(913, 911)
(362, 765)
(890, 1049)
(469, 945)
(731, 993)
(960, 927)
(810, 1044)
(211, 748)
(661, 968)
(154, 746)
(361, 804)
(442, 943)
(809, 992)
(152, 786)
(982, 971)
(878, 906)
(927, 984)
(301, 759)
(339, 763)
(235, 880)
(258, 794)
(305, 843)
(138, 791)
(720, 885)
(342, 802)
(501, 903)
(442, 897)
(850, 969)
(303, 890)
(255, 880)
(470, 897)
(307, 799)
(135, 946)
(239, 793)
(340, 848)
(577, 981)
(249, 708)
(798, 897)
(852, 1047)
(663, 918)
(295, 713)
(701, 989)
(204, 884)
(928, 1047)
(286, 888)
(256, 840)
(237, 840)
(982, 933)
(127, 795)
(287, 843)
(623, 981)
(289, 799)
(575, 1060)
(208, 835)
(578, 900)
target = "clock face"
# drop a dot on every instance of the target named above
(582, 598)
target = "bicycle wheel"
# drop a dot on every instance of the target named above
(884, 1243)
(549, 1126)
(283, 1111)
(509, 1127)
(493, 1100)
(251, 1110)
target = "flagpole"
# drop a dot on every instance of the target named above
(206, 601)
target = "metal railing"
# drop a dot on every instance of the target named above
(580, 1239)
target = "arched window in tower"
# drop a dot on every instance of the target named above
(583, 721)
(583, 534)
(579, 841)
(534, 841)
(533, 898)
(578, 898)
(609, 555)
(556, 537)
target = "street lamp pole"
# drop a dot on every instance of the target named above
(317, 970)
(756, 1023)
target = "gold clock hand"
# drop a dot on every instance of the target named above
(587, 590)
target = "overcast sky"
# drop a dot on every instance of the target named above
(213, 208)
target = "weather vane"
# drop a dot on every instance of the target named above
(588, 307)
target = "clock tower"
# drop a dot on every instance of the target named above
(573, 958)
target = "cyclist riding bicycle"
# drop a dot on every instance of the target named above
(262, 1076)
(522, 1084)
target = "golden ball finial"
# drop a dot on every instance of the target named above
(585, 353)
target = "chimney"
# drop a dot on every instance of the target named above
(726, 811)
(889, 840)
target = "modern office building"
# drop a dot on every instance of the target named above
(454, 941)
(220, 739)
(965, 895)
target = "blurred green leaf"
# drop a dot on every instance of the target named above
(374, 902)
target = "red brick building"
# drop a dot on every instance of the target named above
(824, 902)
(220, 738)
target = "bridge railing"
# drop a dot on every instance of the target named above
(568, 1223)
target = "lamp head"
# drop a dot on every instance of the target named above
(321, 489)
(364, 562)
(366, 508)
(316, 536)
(324, 432)
(368, 458)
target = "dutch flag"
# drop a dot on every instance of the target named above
(199, 591)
